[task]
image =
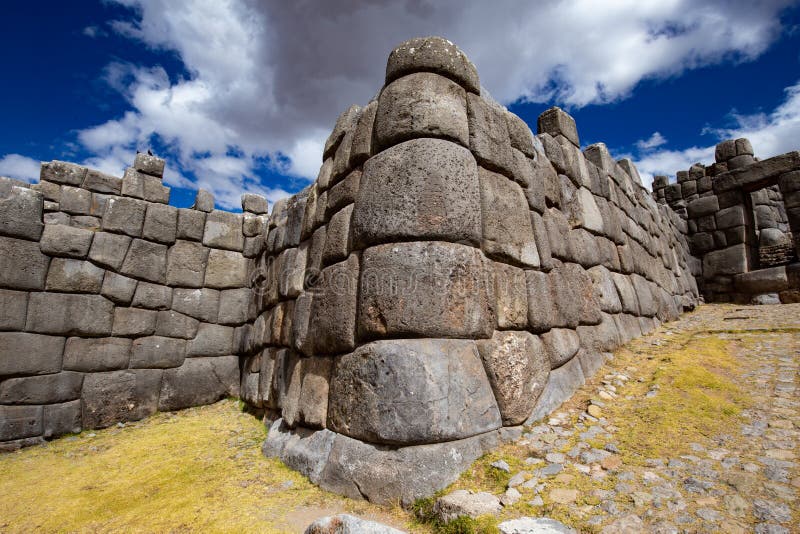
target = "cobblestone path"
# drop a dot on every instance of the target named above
(694, 428)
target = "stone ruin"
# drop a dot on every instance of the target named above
(447, 278)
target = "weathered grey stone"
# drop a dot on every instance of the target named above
(75, 200)
(253, 225)
(561, 344)
(204, 201)
(201, 304)
(226, 269)
(431, 289)
(600, 338)
(517, 365)
(139, 185)
(18, 422)
(22, 213)
(421, 104)
(348, 524)
(346, 121)
(86, 221)
(69, 314)
(758, 171)
(146, 260)
(361, 148)
(100, 182)
(152, 296)
(511, 293)
(224, 230)
(199, 381)
(156, 352)
(108, 249)
(740, 162)
(344, 192)
(30, 354)
(291, 385)
(520, 135)
(440, 195)
(124, 215)
(160, 223)
(186, 264)
(170, 323)
(254, 204)
(333, 312)
(541, 302)
(341, 158)
(62, 172)
(22, 264)
(537, 525)
(627, 294)
(628, 327)
(542, 241)
(338, 242)
(152, 165)
(605, 290)
(725, 150)
(703, 206)
(463, 503)
(563, 382)
(488, 135)
(91, 355)
(730, 217)
(507, 230)
(313, 402)
(74, 276)
(769, 280)
(234, 306)
(291, 278)
(49, 190)
(253, 246)
(555, 122)
(119, 396)
(13, 309)
(191, 224)
(117, 288)
(134, 322)
(412, 391)
(211, 340)
(432, 54)
(727, 261)
(60, 419)
(647, 301)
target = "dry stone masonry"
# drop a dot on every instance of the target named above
(448, 277)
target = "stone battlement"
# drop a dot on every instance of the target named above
(448, 277)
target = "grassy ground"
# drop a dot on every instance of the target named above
(198, 470)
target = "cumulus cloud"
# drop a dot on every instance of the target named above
(265, 81)
(654, 141)
(19, 167)
(770, 133)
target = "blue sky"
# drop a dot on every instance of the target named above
(240, 95)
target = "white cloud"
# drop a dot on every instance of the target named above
(20, 167)
(266, 80)
(770, 134)
(654, 141)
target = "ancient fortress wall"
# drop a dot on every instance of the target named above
(114, 304)
(743, 218)
(448, 277)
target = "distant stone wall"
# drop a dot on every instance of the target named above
(113, 304)
(743, 218)
(448, 277)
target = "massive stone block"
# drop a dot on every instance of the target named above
(13, 309)
(512, 300)
(202, 304)
(156, 352)
(97, 354)
(226, 269)
(488, 135)
(161, 223)
(74, 276)
(412, 391)
(421, 105)
(430, 289)
(333, 311)
(134, 322)
(69, 314)
(211, 340)
(224, 230)
(62, 172)
(432, 54)
(22, 353)
(124, 215)
(186, 264)
(108, 249)
(199, 381)
(147, 261)
(561, 344)
(727, 261)
(420, 189)
(116, 396)
(22, 264)
(507, 230)
(517, 365)
(19, 422)
(22, 213)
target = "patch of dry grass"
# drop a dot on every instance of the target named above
(198, 470)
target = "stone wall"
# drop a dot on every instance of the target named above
(113, 304)
(448, 277)
(743, 218)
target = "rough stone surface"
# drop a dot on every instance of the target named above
(199, 381)
(74, 276)
(146, 261)
(96, 354)
(488, 135)
(462, 503)
(224, 230)
(440, 195)
(517, 365)
(421, 105)
(116, 396)
(109, 249)
(432, 54)
(348, 524)
(412, 391)
(22, 264)
(156, 352)
(555, 122)
(186, 264)
(124, 215)
(226, 269)
(69, 314)
(333, 311)
(430, 289)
